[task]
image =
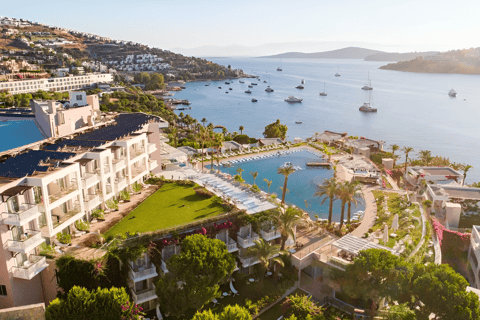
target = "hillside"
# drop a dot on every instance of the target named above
(466, 61)
(345, 53)
(397, 56)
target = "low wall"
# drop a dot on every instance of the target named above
(30, 312)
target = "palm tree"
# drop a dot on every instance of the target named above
(327, 151)
(342, 194)
(394, 147)
(328, 190)
(465, 168)
(241, 128)
(239, 171)
(286, 171)
(425, 156)
(353, 189)
(203, 136)
(218, 140)
(203, 121)
(254, 175)
(267, 253)
(174, 135)
(286, 222)
(406, 151)
(269, 183)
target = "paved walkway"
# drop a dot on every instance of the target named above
(424, 229)
(370, 213)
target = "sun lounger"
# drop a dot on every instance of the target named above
(235, 292)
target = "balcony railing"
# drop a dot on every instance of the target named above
(61, 218)
(118, 164)
(270, 235)
(121, 183)
(27, 213)
(33, 266)
(338, 262)
(91, 201)
(153, 164)
(144, 295)
(89, 178)
(248, 261)
(54, 197)
(152, 147)
(29, 240)
(136, 153)
(108, 188)
(142, 273)
(248, 241)
(138, 170)
(106, 169)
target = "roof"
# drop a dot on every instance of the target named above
(437, 171)
(354, 244)
(13, 191)
(188, 150)
(362, 143)
(462, 192)
(328, 136)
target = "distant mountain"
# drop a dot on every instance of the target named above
(396, 56)
(345, 53)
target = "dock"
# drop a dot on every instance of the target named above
(317, 164)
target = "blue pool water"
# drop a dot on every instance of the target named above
(301, 184)
(16, 133)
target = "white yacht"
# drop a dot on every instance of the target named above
(241, 81)
(452, 93)
(337, 74)
(292, 99)
(269, 89)
(367, 108)
(368, 86)
(279, 69)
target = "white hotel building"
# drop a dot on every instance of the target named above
(69, 83)
(43, 192)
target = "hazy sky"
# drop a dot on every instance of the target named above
(385, 25)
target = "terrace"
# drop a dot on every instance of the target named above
(33, 266)
(27, 212)
(59, 192)
(29, 240)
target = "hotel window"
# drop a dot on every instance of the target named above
(3, 290)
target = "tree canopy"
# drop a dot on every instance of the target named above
(192, 280)
(230, 312)
(275, 130)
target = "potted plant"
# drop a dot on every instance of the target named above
(64, 238)
(98, 214)
(82, 225)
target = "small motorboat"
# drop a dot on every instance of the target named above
(268, 89)
(452, 93)
(253, 84)
(241, 81)
(230, 89)
(248, 91)
(254, 100)
(264, 81)
(207, 85)
(226, 82)
(259, 79)
(219, 87)
(298, 122)
(292, 99)
(226, 91)
(250, 86)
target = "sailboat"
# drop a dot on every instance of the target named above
(337, 74)
(269, 89)
(280, 67)
(368, 86)
(366, 105)
(324, 93)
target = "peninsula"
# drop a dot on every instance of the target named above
(344, 53)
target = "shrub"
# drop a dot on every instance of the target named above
(112, 204)
(238, 178)
(64, 238)
(201, 191)
(136, 187)
(255, 188)
(242, 139)
(47, 251)
(98, 214)
(124, 195)
(82, 225)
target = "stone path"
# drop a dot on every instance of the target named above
(370, 214)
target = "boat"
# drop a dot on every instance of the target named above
(452, 93)
(269, 89)
(230, 89)
(248, 91)
(366, 106)
(254, 100)
(337, 74)
(253, 84)
(259, 79)
(300, 86)
(279, 69)
(292, 99)
(298, 122)
(368, 86)
(219, 87)
(241, 81)
(264, 81)
(226, 82)
(323, 94)
(207, 84)
(303, 81)
(226, 91)
(250, 86)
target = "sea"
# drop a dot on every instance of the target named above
(414, 109)
(16, 133)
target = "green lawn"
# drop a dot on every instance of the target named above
(171, 205)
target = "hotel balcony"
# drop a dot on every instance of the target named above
(108, 188)
(27, 213)
(89, 179)
(139, 273)
(136, 153)
(270, 235)
(91, 201)
(248, 261)
(64, 216)
(248, 241)
(29, 240)
(119, 164)
(151, 147)
(121, 183)
(138, 170)
(106, 169)
(63, 192)
(33, 266)
(153, 164)
(337, 262)
(231, 245)
(144, 295)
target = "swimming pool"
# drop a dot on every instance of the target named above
(301, 184)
